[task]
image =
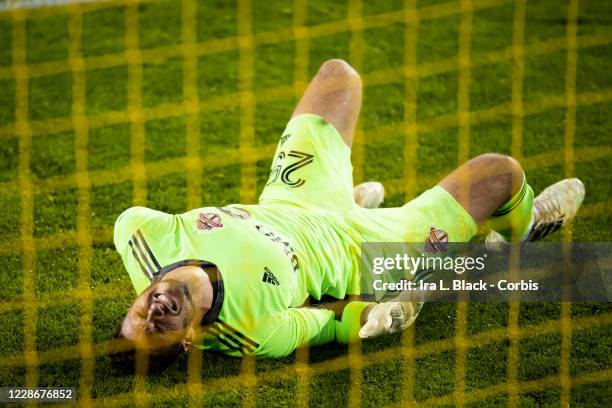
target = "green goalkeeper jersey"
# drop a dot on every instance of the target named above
(268, 265)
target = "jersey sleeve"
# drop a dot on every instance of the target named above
(133, 228)
(314, 326)
(300, 326)
(126, 224)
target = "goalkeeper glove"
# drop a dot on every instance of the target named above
(389, 317)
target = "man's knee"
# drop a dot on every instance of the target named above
(500, 161)
(501, 164)
(339, 69)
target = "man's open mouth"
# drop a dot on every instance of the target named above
(167, 301)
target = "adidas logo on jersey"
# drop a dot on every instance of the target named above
(269, 277)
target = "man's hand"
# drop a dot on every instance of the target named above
(388, 317)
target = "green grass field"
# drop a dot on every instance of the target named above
(89, 127)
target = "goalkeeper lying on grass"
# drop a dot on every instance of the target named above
(237, 279)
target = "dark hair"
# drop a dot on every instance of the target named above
(125, 360)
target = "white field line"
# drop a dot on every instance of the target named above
(30, 4)
(8, 5)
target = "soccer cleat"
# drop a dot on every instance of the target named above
(388, 317)
(370, 194)
(553, 208)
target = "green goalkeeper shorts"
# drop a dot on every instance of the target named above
(320, 178)
(309, 195)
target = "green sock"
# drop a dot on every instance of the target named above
(514, 218)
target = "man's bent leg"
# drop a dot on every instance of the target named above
(334, 94)
(481, 186)
(491, 188)
(312, 162)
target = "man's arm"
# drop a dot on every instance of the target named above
(313, 326)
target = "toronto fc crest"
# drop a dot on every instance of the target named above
(437, 241)
(208, 221)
